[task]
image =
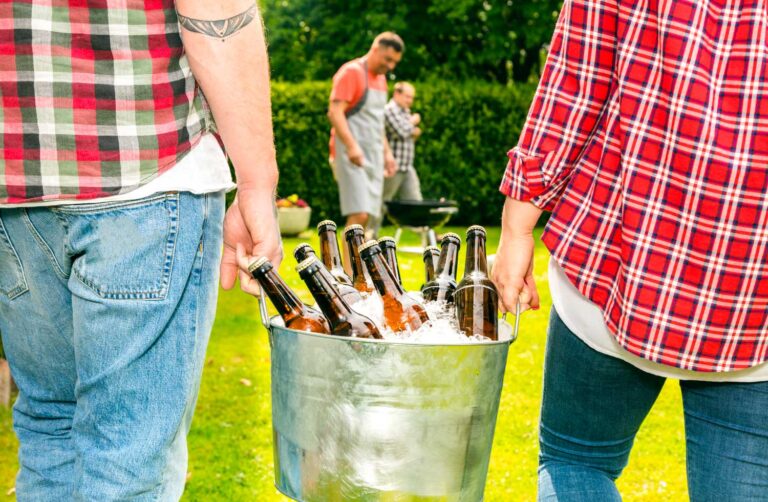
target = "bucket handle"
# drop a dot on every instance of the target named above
(264, 314)
(517, 320)
(263, 311)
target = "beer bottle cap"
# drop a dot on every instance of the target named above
(326, 223)
(476, 229)
(369, 248)
(431, 249)
(299, 249)
(304, 265)
(353, 228)
(387, 241)
(258, 263)
(450, 236)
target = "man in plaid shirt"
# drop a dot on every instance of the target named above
(648, 140)
(111, 227)
(402, 128)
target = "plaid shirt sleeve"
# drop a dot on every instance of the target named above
(568, 104)
(397, 123)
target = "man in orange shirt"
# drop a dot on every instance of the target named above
(359, 150)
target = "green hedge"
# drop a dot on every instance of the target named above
(468, 128)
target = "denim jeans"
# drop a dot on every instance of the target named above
(105, 314)
(593, 406)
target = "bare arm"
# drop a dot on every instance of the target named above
(225, 44)
(390, 164)
(338, 118)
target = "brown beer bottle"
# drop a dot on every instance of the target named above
(401, 311)
(329, 251)
(430, 257)
(295, 314)
(442, 287)
(343, 320)
(476, 297)
(361, 280)
(389, 251)
(304, 251)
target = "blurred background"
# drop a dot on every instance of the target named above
(474, 64)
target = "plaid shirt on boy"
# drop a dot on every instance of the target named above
(97, 97)
(648, 140)
(397, 122)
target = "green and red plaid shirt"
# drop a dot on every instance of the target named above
(97, 97)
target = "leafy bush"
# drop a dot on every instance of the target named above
(468, 128)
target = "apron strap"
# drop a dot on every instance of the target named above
(360, 104)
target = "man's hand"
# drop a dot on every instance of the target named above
(390, 165)
(415, 119)
(250, 223)
(416, 133)
(356, 155)
(513, 269)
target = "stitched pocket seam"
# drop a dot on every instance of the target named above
(21, 286)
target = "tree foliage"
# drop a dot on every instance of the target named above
(494, 40)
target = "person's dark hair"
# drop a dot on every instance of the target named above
(390, 39)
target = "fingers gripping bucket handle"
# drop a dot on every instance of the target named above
(377, 420)
(516, 326)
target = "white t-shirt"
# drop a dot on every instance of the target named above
(203, 170)
(586, 321)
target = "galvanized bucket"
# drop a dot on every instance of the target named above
(373, 420)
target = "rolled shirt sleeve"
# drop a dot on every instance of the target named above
(569, 101)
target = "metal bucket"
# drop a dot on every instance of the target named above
(372, 420)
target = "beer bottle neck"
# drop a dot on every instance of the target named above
(283, 298)
(354, 241)
(327, 297)
(430, 266)
(476, 260)
(382, 277)
(449, 257)
(390, 255)
(329, 249)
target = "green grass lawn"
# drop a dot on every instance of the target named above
(231, 440)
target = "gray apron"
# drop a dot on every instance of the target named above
(361, 188)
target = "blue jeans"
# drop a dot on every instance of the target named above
(593, 406)
(105, 314)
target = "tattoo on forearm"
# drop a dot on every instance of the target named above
(221, 28)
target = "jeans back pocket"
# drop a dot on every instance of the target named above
(124, 250)
(12, 280)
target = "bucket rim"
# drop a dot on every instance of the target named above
(273, 323)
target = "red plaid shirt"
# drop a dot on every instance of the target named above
(648, 140)
(97, 97)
